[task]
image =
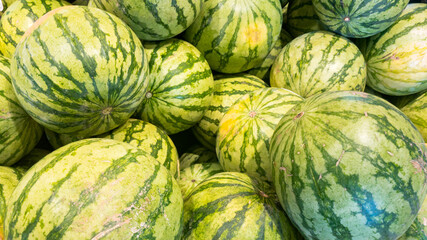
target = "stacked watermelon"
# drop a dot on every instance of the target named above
(213, 119)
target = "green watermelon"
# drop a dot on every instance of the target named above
(396, 58)
(358, 18)
(235, 36)
(349, 165)
(245, 130)
(196, 154)
(418, 229)
(153, 19)
(150, 139)
(192, 175)
(93, 189)
(302, 18)
(30, 159)
(79, 71)
(232, 206)
(227, 90)
(319, 61)
(180, 86)
(9, 178)
(19, 133)
(416, 110)
(18, 18)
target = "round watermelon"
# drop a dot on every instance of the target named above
(235, 36)
(358, 18)
(349, 165)
(319, 61)
(79, 71)
(93, 189)
(19, 17)
(180, 86)
(397, 57)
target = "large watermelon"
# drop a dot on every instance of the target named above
(153, 19)
(397, 57)
(319, 61)
(19, 133)
(232, 206)
(180, 86)
(245, 130)
(9, 178)
(227, 90)
(235, 35)
(416, 110)
(18, 18)
(93, 189)
(79, 71)
(302, 18)
(194, 174)
(358, 18)
(349, 165)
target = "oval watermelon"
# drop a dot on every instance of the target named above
(79, 71)
(349, 165)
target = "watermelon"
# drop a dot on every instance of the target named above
(358, 18)
(196, 154)
(57, 140)
(79, 71)
(154, 19)
(301, 18)
(4, 4)
(245, 130)
(30, 159)
(180, 86)
(319, 61)
(192, 175)
(18, 18)
(233, 205)
(418, 229)
(235, 36)
(416, 110)
(93, 189)
(149, 138)
(9, 178)
(227, 90)
(19, 133)
(348, 165)
(397, 57)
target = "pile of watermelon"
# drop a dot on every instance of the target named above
(213, 119)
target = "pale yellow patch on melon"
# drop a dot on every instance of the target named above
(255, 33)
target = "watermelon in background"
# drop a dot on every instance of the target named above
(9, 178)
(19, 132)
(30, 159)
(302, 18)
(245, 130)
(349, 165)
(97, 188)
(358, 18)
(19, 17)
(180, 86)
(196, 154)
(416, 110)
(397, 57)
(319, 61)
(57, 140)
(235, 36)
(79, 92)
(153, 19)
(232, 205)
(194, 174)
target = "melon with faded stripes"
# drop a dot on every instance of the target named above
(234, 206)
(235, 36)
(19, 17)
(245, 130)
(9, 179)
(349, 165)
(79, 71)
(19, 132)
(227, 90)
(96, 189)
(319, 61)
(358, 18)
(180, 86)
(397, 57)
(153, 19)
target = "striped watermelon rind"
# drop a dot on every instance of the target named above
(62, 195)
(396, 57)
(338, 159)
(416, 110)
(319, 61)
(9, 178)
(82, 87)
(180, 86)
(245, 130)
(191, 176)
(302, 18)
